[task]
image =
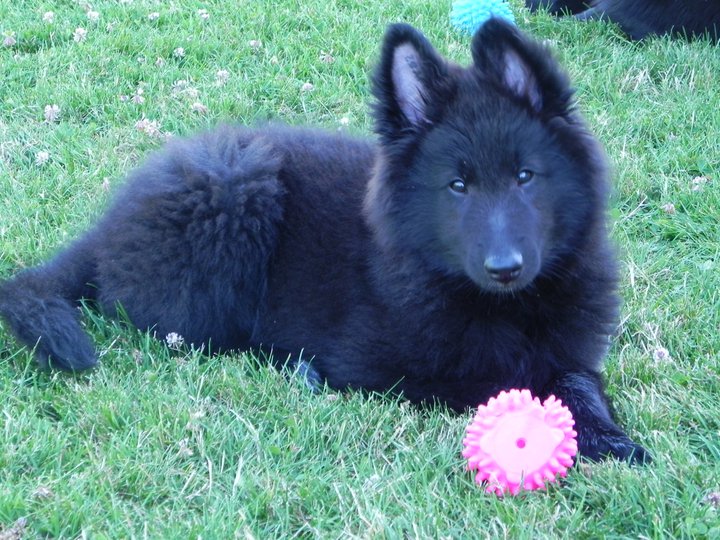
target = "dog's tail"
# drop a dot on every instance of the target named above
(40, 307)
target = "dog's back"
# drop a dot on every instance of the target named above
(186, 245)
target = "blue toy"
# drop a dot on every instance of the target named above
(469, 15)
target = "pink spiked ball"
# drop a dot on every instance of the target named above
(515, 442)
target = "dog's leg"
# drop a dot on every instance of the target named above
(598, 434)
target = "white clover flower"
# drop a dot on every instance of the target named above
(43, 492)
(42, 157)
(345, 121)
(48, 17)
(160, 62)
(179, 86)
(182, 89)
(199, 108)
(307, 87)
(79, 35)
(93, 16)
(203, 14)
(668, 208)
(255, 44)
(52, 113)
(154, 16)
(179, 52)
(221, 77)
(174, 340)
(184, 448)
(661, 355)
(698, 183)
(149, 127)
(16, 530)
(9, 40)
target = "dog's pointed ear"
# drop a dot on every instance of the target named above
(523, 67)
(407, 81)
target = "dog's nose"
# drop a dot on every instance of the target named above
(504, 268)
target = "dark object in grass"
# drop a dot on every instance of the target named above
(642, 18)
(559, 7)
(462, 253)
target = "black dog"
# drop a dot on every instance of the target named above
(465, 254)
(642, 18)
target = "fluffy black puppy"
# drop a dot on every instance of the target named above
(642, 18)
(464, 254)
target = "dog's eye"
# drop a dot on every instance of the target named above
(458, 185)
(524, 176)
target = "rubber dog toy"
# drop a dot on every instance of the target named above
(516, 443)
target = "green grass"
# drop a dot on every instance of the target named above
(161, 444)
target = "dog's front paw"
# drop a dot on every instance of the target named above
(631, 452)
(619, 446)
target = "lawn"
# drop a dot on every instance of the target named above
(160, 443)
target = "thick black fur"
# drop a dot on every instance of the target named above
(559, 7)
(465, 254)
(642, 18)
